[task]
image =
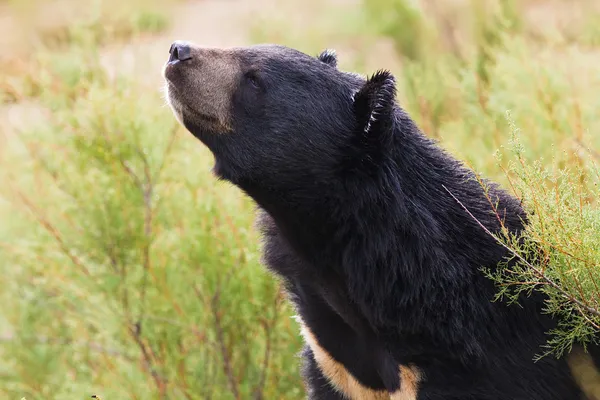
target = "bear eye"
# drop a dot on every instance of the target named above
(252, 78)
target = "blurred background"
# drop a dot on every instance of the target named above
(129, 272)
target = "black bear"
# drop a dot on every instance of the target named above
(361, 219)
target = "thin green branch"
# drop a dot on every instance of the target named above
(537, 271)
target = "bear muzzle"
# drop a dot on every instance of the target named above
(200, 83)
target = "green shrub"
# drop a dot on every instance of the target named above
(562, 237)
(129, 271)
(402, 21)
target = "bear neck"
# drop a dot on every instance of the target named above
(402, 205)
(408, 254)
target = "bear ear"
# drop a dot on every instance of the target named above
(374, 108)
(329, 57)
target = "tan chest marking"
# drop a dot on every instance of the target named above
(585, 373)
(346, 384)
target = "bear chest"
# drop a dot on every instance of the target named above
(350, 357)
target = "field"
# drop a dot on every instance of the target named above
(129, 272)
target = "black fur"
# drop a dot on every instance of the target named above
(379, 260)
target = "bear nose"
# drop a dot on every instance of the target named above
(180, 51)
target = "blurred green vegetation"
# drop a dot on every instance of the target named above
(130, 272)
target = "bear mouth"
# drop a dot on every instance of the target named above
(184, 113)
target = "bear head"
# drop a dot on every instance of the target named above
(275, 117)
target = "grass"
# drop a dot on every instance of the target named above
(130, 272)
